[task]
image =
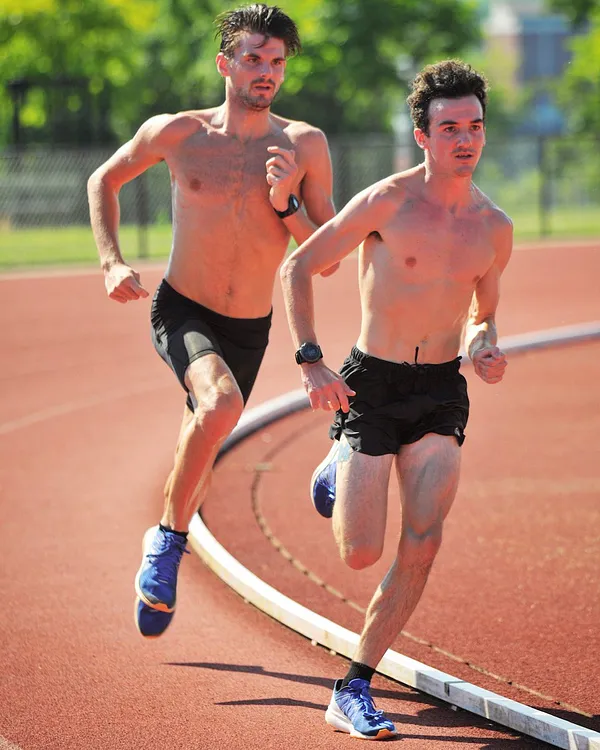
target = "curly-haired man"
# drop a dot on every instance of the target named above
(432, 250)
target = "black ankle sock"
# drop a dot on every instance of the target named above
(183, 534)
(358, 671)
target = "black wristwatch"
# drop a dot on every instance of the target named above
(293, 206)
(309, 353)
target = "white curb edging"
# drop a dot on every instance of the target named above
(509, 713)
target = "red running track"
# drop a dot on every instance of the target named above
(88, 419)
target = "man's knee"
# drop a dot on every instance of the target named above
(218, 411)
(360, 555)
(420, 546)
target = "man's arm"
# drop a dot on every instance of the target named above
(366, 212)
(144, 150)
(315, 191)
(481, 335)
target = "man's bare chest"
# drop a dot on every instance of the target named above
(419, 249)
(217, 170)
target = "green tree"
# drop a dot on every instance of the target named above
(150, 56)
(359, 54)
(51, 42)
(580, 87)
(577, 11)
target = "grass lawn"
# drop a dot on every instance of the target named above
(75, 245)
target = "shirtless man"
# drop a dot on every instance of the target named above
(433, 250)
(239, 174)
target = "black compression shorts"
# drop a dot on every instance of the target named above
(183, 330)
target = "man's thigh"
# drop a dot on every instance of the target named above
(211, 383)
(361, 495)
(428, 474)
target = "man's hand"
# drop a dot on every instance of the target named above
(326, 389)
(281, 176)
(123, 283)
(489, 364)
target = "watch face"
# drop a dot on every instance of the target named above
(310, 352)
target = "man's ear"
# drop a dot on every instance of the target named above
(222, 65)
(420, 138)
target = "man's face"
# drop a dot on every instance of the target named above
(456, 135)
(256, 70)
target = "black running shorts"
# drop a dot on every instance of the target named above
(183, 331)
(399, 403)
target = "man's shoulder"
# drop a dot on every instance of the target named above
(171, 128)
(498, 219)
(393, 189)
(299, 130)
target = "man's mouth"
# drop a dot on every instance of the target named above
(464, 155)
(264, 88)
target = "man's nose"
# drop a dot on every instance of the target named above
(464, 138)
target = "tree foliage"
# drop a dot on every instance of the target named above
(141, 57)
(577, 11)
(580, 88)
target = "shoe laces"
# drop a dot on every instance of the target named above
(364, 702)
(167, 551)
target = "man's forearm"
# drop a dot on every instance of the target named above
(480, 335)
(299, 302)
(300, 226)
(104, 219)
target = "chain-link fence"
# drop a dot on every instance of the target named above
(548, 186)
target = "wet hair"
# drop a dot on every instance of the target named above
(268, 20)
(450, 79)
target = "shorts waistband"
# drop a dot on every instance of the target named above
(165, 290)
(405, 370)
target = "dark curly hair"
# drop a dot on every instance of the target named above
(450, 79)
(258, 18)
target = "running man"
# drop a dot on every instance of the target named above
(239, 176)
(433, 250)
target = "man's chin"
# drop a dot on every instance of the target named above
(258, 103)
(465, 170)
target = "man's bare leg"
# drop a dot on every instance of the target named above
(219, 406)
(360, 510)
(359, 519)
(428, 473)
(203, 432)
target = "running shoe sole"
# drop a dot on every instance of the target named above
(338, 720)
(155, 613)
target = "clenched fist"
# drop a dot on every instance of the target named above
(123, 283)
(281, 176)
(490, 364)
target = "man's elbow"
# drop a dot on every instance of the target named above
(292, 270)
(286, 272)
(101, 180)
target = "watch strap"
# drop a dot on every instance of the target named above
(292, 207)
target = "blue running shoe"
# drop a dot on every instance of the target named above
(151, 623)
(322, 483)
(352, 710)
(156, 580)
